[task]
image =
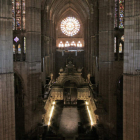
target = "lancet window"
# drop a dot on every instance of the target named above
(79, 44)
(18, 14)
(61, 44)
(70, 26)
(115, 45)
(119, 14)
(24, 44)
(120, 48)
(67, 44)
(73, 44)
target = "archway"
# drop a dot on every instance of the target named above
(70, 93)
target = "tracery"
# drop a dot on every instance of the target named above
(70, 26)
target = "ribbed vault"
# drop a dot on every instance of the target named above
(57, 9)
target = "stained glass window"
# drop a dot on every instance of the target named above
(13, 13)
(70, 26)
(24, 44)
(73, 44)
(16, 39)
(19, 49)
(18, 14)
(116, 14)
(79, 44)
(121, 13)
(23, 14)
(67, 44)
(120, 48)
(122, 38)
(114, 44)
(61, 44)
(14, 49)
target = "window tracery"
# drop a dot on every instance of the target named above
(14, 48)
(19, 49)
(24, 44)
(16, 39)
(120, 48)
(61, 44)
(70, 26)
(73, 44)
(116, 14)
(18, 14)
(121, 13)
(79, 44)
(67, 44)
(122, 38)
(115, 45)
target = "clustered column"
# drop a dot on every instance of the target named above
(33, 62)
(106, 58)
(7, 106)
(131, 89)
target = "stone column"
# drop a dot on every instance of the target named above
(7, 105)
(95, 41)
(106, 59)
(131, 89)
(33, 62)
(86, 49)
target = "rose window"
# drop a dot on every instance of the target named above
(70, 26)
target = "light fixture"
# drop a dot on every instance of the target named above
(89, 113)
(51, 113)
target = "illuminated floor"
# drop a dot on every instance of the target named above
(69, 122)
(66, 119)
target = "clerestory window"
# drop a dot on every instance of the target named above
(18, 14)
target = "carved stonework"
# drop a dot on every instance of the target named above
(83, 93)
(70, 73)
(47, 39)
(57, 93)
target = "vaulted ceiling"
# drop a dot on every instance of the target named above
(60, 8)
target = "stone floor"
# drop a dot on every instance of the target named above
(69, 122)
(67, 119)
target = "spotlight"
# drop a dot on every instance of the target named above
(51, 113)
(89, 113)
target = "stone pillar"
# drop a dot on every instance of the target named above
(33, 62)
(89, 45)
(95, 40)
(131, 89)
(86, 50)
(106, 59)
(7, 105)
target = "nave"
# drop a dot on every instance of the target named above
(70, 122)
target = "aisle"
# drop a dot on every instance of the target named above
(69, 122)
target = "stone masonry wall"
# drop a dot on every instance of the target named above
(7, 106)
(131, 88)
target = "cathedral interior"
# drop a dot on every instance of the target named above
(69, 70)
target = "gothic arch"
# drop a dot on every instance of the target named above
(77, 81)
(21, 79)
